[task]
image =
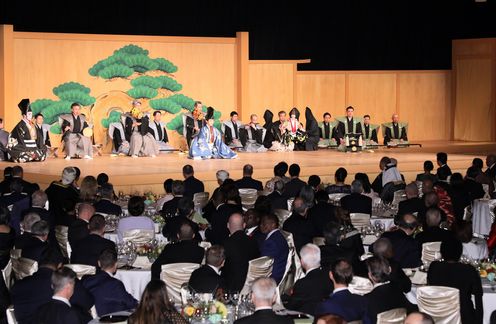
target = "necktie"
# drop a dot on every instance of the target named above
(159, 131)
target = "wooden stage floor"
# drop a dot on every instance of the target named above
(147, 174)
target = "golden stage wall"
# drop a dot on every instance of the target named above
(218, 72)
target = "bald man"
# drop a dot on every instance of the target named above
(239, 249)
(396, 131)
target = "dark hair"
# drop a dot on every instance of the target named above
(350, 107)
(342, 216)
(184, 206)
(248, 169)
(78, 173)
(428, 166)
(168, 185)
(4, 215)
(188, 169)
(231, 192)
(451, 249)
(478, 163)
(472, 172)
(154, 304)
(107, 258)
(308, 195)
(233, 113)
(177, 187)
(102, 178)
(332, 233)
(136, 206)
(96, 223)
(270, 218)
(463, 231)
(364, 179)
(7, 172)
(456, 179)
(197, 103)
(314, 181)
(74, 104)
(281, 112)
(156, 112)
(215, 255)
(326, 114)
(38, 115)
(342, 271)
(294, 170)
(442, 157)
(107, 190)
(341, 174)
(263, 204)
(17, 171)
(378, 268)
(365, 116)
(280, 170)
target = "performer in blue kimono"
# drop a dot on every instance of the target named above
(208, 144)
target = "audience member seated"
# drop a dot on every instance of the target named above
(5, 183)
(452, 273)
(135, 220)
(339, 187)
(312, 289)
(7, 237)
(315, 182)
(61, 194)
(105, 204)
(168, 194)
(277, 200)
(280, 170)
(14, 195)
(59, 309)
(263, 296)
(367, 187)
(221, 176)
(419, 318)
(392, 181)
(473, 247)
(432, 232)
(274, 245)
(155, 307)
(356, 202)
(332, 250)
(26, 225)
(384, 249)
(207, 278)
(239, 250)
(489, 175)
(413, 204)
(292, 187)
(308, 195)
(406, 249)
(351, 237)
(79, 227)
(322, 212)
(109, 293)
(26, 302)
(191, 184)
(247, 182)
(431, 200)
(38, 202)
(475, 189)
(253, 228)
(87, 250)
(341, 301)
(385, 295)
(227, 205)
(460, 196)
(185, 212)
(169, 208)
(377, 183)
(299, 225)
(444, 171)
(27, 187)
(428, 167)
(36, 244)
(185, 250)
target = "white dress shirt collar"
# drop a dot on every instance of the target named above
(62, 299)
(271, 232)
(217, 270)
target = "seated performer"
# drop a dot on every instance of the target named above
(42, 132)
(22, 143)
(120, 139)
(255, 135)
(194, 122)
(328, 132)
(159, 131)
(269, 135)
(369, 131)
(312, 131)
(231, 130)
(395, 132)
(142, 143)
(290, 134)
(208, 143)
(349, 125)
(73, 125)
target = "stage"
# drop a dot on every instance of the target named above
(147, 174)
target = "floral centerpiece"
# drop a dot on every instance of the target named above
(487, 270)
(150, 198)
(214, 311)
(151, 250)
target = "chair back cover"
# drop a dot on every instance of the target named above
(82, 269)
(290, 204)
(399, 195)
(7, 275)
(288, 278)
(139, 236)
(248, 197)
(22, 267)
(61, 234)
(200, 199)
(257, 268)
(282, 215)
(392, 316)
(175, 275)
(360, 285)
(359, 220)
(11, 319)
(335, 198)
(442, 303)
(431, 251)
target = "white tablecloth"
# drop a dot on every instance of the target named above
(134, 280)
(113, 237)
(482, 215)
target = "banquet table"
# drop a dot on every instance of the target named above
(482, 215)
(135, 280)
(113, 237)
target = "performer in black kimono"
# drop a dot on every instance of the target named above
(42, 132)
(232, 130)
(312, 129)
(255, 135)
(159, 131)
(22, 143)
(328, 132)
(120, 139)
(194, 122)
(349, 125)
(269, 136)
(395, 131)
(369, 131)
(73, 127)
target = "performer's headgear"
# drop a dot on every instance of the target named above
(210, 113)
(24, 106)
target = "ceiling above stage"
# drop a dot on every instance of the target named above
(342, 35)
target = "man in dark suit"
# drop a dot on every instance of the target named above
(412, 204)
(444, 171)
(299, 225)
(406, 250)
(38, 202)
(356, 202)
(239, 250)
(185, 250)
(191, 184)
(59, 310)
(105, 204)
(277, 200)
(385, 295)
(274, 246)
(384, 249)
(169, 209)
(253, 226)
(321, 213)
(247, 181)
(452, 273)
(432, 232)
(293, 187)
(109, 293)
(185, 210)
(474, 189)
(79, 228)
(88, 250)
(342, 302)
(15, 193)
(207, 278)
(27, 187)
(62, 196)
(35, 245)
(5, 184)
(263, 297)
(218, 231)
(26, 303)
(309, 291)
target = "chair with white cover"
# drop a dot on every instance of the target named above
(139, 236)
(399, 195)
(335, 198)
(292, 265)
(7, 273)
(200, 200)
(175, 275)
(282, 215)
(360, 220)
(360, 285)
(61, 234)
(485, 187)
(22, 267)
(11, 319)
(290, 204)
(248, 197)
(442, 303)
(257, 268)
(82, 269)
(431, 251)
(392, 316)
